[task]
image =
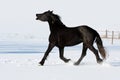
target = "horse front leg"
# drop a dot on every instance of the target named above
(50, 47)
(61, 52)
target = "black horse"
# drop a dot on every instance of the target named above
(62, 36)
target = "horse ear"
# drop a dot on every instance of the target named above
(48, 11)
(51, 11)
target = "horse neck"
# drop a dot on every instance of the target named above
(54, 27)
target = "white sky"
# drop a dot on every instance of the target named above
(19, 15)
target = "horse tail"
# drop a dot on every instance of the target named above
(100, 46)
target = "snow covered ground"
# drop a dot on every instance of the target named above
(22, 41)
(19, 61)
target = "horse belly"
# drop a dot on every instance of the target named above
(71, 40)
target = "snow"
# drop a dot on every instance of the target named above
(23, 40)
(23, 65)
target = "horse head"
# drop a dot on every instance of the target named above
(44, 16)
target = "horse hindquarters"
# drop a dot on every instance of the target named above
(89, 36)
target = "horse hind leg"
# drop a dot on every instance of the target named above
(82, 55)
(61, 51)
(99, 60)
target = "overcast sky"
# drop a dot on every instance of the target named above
(19, 15)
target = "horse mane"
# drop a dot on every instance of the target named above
(57, 19)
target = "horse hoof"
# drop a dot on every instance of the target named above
(100, 61)
(67, 60)
(41, 63)
(76, 63)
